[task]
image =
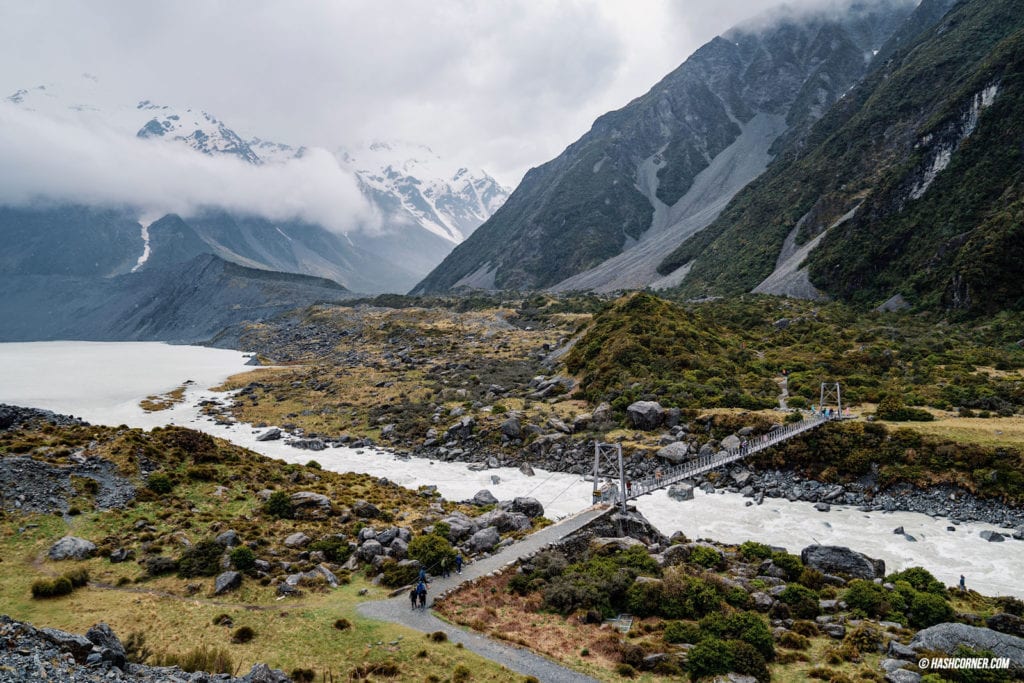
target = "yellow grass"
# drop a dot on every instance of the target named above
(291, 633)
(158, 402)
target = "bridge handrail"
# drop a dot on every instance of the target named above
(705, 463)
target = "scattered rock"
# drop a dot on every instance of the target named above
(297, 540)
(228, 581)
(270, 435)
(109, 646)
(530, 507)
(229, 539)
(72, 548)
(992, 536)
(362, 508)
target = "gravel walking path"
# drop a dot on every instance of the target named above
(517, 659)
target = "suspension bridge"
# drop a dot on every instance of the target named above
(608, 464)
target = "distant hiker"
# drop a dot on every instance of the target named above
(963, 583)
(422, 578)
(444, 567)
(657, 475)
(458, 563)
(629, 487)
(413, 594)
(421, 592)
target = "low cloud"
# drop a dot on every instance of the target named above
(43, 159)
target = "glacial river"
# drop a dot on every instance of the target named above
(103, 382)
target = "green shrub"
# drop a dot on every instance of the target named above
(201, 473)
(438, 636)
(342, 624)
(396, 574)
(707, 557)
(920, 579)
(279, 505)
(752, 550)
(625, 670)
(430, 550)
(871, 599)
(51, 588)
(314, 465)
(243, 558)
(794, 641)
(802, 601)
(303, 675)
(790, 564)
(202, 559)
(159, 483)
(334, 548)
(681, 632)
(928, 609)
(709, 657)
(461, 673)
(78, 577)
(746, 659)
(243, 634)
(811, 578)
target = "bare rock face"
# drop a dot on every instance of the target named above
(947, 637)
(228, 581)
(834, 559)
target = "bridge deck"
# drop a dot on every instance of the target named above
(706, 463)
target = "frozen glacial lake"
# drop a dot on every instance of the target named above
(103, 382)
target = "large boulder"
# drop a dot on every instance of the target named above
(228, 581)
(835, 559)
(676, 452)
(78, 646)
(530, 507)
(484, 497)
(731, 442)
(229, 538)
(1006, 623)
(309, 499)
(947, 637)
(370, 549)
(646, 415)
(511, 428)
(297, 540)
(108, 644)
(612, 545)
(271, 434)
(362, 508)
(72, 548)
(681, 492)
(484, 540)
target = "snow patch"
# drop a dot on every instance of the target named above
(146, 250)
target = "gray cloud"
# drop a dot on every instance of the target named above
(44, 159)
(503, 86)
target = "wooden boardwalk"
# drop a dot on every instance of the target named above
(667, 477)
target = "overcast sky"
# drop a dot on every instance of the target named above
(496, 85)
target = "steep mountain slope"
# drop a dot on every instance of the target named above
(189, 301)
(912, 184)
(647, 176)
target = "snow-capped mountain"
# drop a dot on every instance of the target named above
(449, 201)
(425, 205)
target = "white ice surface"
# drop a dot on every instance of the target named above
(103, 382)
